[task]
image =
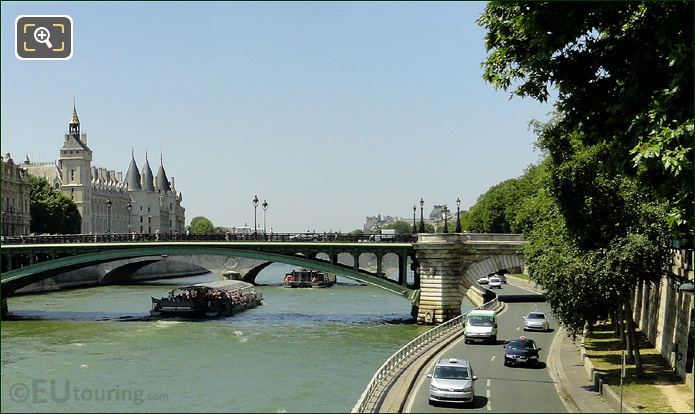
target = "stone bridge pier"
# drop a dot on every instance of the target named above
(445, 262)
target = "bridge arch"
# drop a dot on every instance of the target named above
(19, 278)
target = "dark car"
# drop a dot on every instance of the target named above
(521, 351)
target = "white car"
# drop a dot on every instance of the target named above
(483, 280)
(536, 321)
(495, 282)
(451, 381)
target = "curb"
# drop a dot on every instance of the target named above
(612, 397)
(557, 372)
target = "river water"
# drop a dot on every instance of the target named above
(95, 350)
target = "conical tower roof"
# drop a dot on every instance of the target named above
(161, 179)
(147, 178)
(132, 177)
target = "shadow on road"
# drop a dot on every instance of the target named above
(478, 402)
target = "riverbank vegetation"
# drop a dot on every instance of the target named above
(616, 182)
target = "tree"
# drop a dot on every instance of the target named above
(52, 211)
(623, 74)
(357, 232)
(201, 225)
(619, 148)
(401, 227)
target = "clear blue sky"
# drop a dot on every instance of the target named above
(330, 111)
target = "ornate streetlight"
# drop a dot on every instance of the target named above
(108, 215)
(414, 225)
(446, 224)
(422, 217)
(255, 205)
(458, 216)
(265, 208)
(129, 207)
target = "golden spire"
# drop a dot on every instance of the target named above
(74, 119)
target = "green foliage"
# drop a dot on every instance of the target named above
(497, 210)
(619, 151)
(357, 232)
(623, 72)
(52, 211)
(401, 227)
(201, 225)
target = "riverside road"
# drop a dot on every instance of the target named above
(500, 388)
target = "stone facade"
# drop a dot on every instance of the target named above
(107, 203)
(16, 189)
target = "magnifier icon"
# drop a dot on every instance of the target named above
(42, 35)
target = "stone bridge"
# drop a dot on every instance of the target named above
(445, 266)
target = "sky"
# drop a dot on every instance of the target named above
(329, 111)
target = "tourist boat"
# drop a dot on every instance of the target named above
(220, 298)
(306, 278)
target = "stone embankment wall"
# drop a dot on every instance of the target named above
(664, 314)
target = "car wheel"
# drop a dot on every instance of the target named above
(494, 339)
(466, 341)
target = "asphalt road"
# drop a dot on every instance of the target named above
(499, 388)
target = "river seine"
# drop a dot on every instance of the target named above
(95, 350)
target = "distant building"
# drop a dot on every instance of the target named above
(141, 203)
(16, 189)
(372, 222)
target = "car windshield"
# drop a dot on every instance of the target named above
(460, 373)
(522, 344)
(480, 321)
(536, 316)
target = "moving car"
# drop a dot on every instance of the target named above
(495, 282)
(521, 351)
(481, 325)
(452, 381)
(483, 280)
(536, 320)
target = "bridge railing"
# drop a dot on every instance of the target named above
(173, 237)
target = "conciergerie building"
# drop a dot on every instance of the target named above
(142, 203)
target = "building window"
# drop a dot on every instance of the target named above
(72, 175)
(148, 209)
(140, 208)
(140, 219)
(140, 229)
(149, 220)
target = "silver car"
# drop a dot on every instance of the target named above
(452, 381)
(536, 321)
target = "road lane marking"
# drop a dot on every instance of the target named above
(489, 407)
(493, 358)
(488, 382)
(518, 327)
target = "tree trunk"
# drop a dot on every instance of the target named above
(616, 325)
(633, 338)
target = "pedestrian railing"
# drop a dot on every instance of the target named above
(393, 367)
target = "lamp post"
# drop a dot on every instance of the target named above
(458, 216)
(108, 215)
(422, 218)
(265, 208)
(129, 207)
(687, 288)
(446, 224)
(255, 205)
(414, 225)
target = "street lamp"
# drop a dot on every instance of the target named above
(265, 208)
(255, 205)
(458, 216)
(446, 224)
(687, 288)
(108, 215)
(129, 207)
(422, 218)
(414, 226)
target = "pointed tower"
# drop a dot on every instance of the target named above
(147, 178)
(75, 161)
(161, 180)
(132, 177)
